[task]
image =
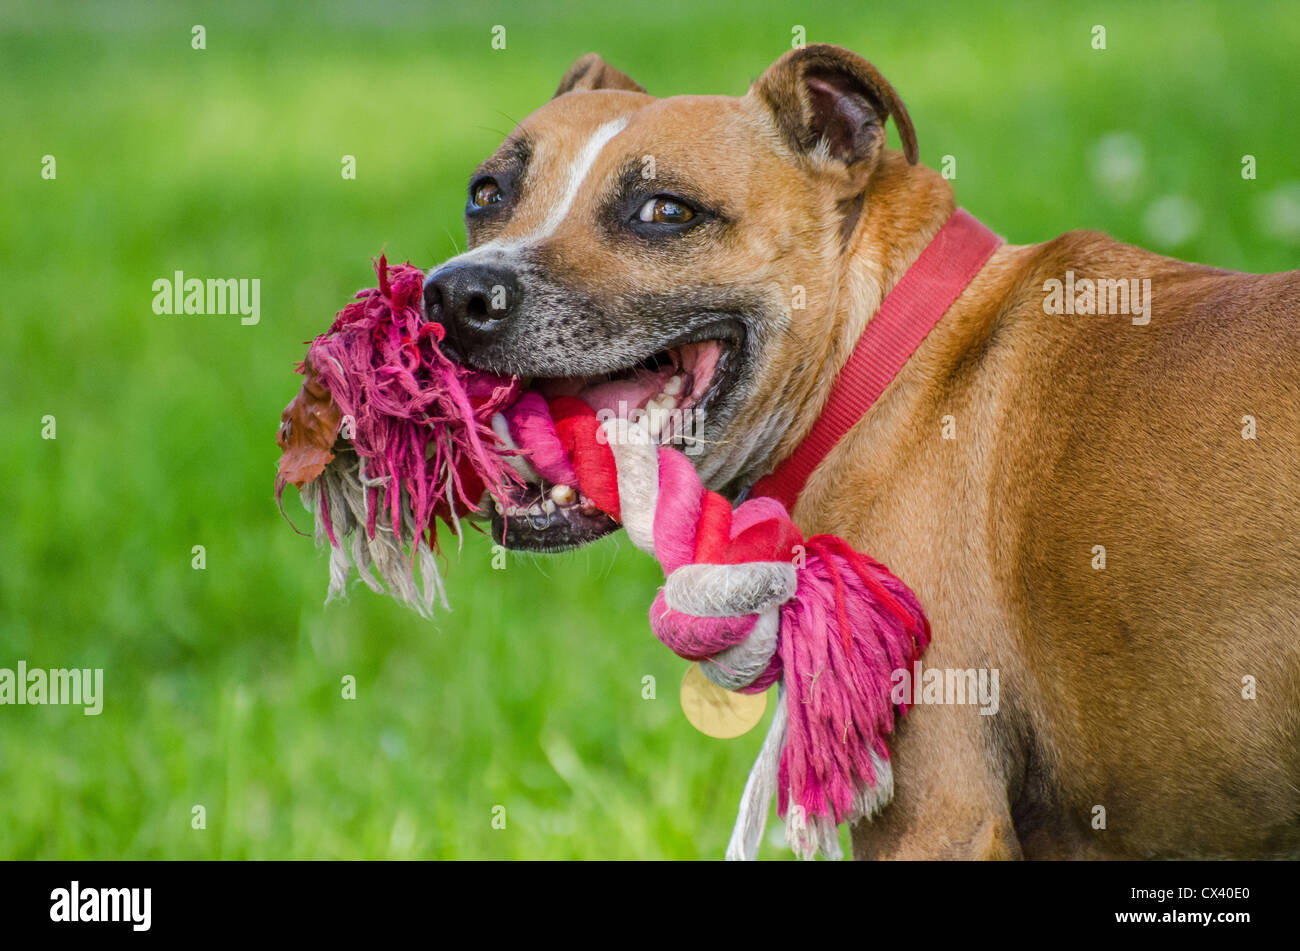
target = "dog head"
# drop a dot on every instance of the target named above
(682, 258)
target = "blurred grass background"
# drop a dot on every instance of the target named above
(223, 685)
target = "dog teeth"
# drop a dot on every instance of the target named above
(657, 413)
(659, 410)
(563, 494)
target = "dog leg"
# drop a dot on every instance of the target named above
(949, 802)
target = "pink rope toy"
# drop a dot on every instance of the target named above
(745, 594)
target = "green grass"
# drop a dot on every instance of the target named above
(223, 685)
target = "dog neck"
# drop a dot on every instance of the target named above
(909, 312)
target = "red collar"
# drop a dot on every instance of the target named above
(909, 312)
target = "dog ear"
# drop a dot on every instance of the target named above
(826, 93)
(592, 72)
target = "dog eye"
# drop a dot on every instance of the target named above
(485, 192)
(665, 210)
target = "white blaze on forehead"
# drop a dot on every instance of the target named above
(500, 250)
(578, 171)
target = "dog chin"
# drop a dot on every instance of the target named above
(671, 393)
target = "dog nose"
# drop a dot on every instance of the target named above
(470, 299)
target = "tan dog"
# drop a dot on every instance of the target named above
(1104, 509)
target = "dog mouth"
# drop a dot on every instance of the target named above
(669, 393)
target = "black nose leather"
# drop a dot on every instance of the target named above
(472, 300)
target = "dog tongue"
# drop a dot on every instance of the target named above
(698, 363)
(634, 393)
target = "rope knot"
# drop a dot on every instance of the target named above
(754, 602)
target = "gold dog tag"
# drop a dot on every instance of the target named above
(722, 714)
